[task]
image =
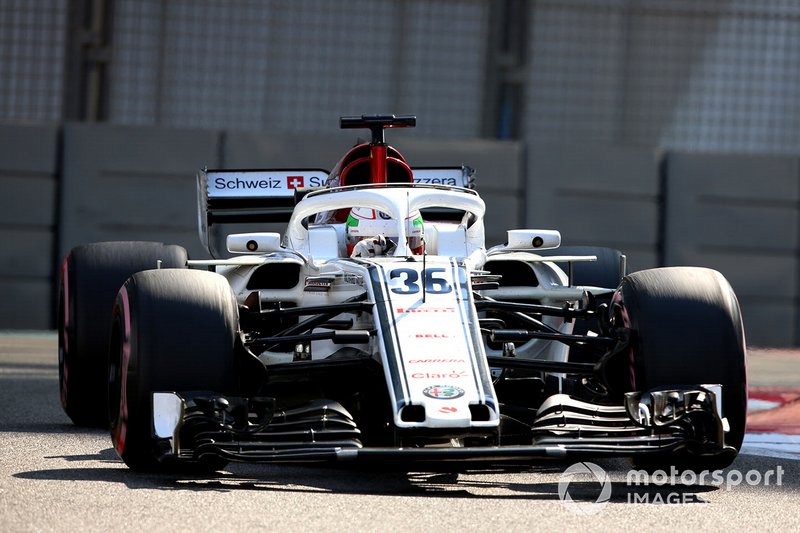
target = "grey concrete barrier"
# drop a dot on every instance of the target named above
(132, 183)
(740, 215)
(28, 167)
(736, 213)
(597, 194)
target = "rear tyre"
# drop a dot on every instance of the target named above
(606, 272)
(687, 331)
(173, 330)
(90, 277)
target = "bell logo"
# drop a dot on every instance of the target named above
(294, 182)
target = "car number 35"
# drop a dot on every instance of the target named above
(434, 280)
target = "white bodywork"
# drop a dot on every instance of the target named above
(427, 337)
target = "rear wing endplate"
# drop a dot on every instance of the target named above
(249, 196)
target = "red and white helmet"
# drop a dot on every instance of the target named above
(363, 223)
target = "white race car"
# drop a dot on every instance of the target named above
(379, 327)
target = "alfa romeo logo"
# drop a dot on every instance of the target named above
(584, 489)
(443, 392)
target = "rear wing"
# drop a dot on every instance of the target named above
(268, 196)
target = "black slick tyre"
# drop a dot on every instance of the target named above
(90, 277)
(173, 330)
(687, 330)
(606, 271)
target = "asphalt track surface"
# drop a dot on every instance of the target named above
(56, 477)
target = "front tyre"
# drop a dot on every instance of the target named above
(173, 330)
(687, 330)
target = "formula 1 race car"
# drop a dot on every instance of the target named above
(380, 328)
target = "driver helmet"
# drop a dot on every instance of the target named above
(365, 223)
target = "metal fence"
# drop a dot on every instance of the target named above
(699, 75)
(285, 66)
(710, 75)
(32, 55)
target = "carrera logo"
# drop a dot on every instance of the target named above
(443, 392)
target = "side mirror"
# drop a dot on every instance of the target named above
(533, 239)
(254, 243)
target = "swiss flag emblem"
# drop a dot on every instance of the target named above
(293, 182)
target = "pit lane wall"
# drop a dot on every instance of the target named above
(28, 223)
(77, 183)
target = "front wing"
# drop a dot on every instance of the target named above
(193, 426)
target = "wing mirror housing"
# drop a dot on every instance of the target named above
(254, 243)
(533, 239)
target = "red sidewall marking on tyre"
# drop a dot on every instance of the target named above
(626, 323)
(65, 332)
(121, 427)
